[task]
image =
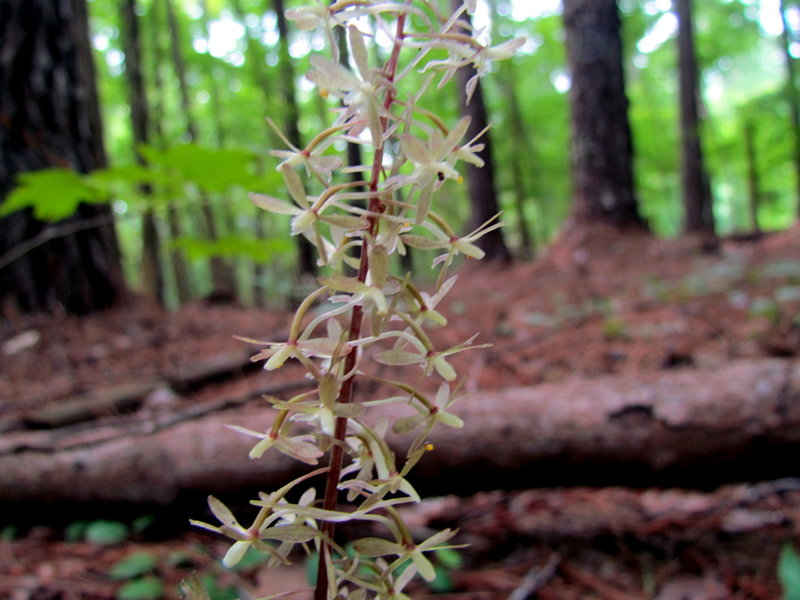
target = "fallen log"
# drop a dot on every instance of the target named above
(693, 427)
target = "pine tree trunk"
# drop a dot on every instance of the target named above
(753, 179)
(152, 276)
(699, 216)
(211, 80)
(480, 181)
(602, 148)
(223, 279)
(50, 117)
(791, 96)
(180, 266)
(307, 265)
(522, 150)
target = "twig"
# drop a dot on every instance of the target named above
(50, 233)
(535, 578)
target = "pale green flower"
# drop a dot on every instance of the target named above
(375, 547)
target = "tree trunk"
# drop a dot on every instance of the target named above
(697, 202)
(211, 80)
(152, 276)
(691, 428)
(602, 149)
(480, 181)
(307, 264)
(522, 152)
(791, 96)
(753, 179)
(50, 117)
(223, 278)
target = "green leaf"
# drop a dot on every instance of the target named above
(145, 588)
(106, 533)
(213, 170)
(261, 251)
(112, 179)
(142, 523)
(215, 592)
(53, 194)
(789, 573)
(442, 582)
(449, 558)
(76, 531)
(133, 565)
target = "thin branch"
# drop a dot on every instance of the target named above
(51, 233)
(536, 578)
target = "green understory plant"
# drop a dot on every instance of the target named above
(369, 316)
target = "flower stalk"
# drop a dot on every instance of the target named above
(424, 154)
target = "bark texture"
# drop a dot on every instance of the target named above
(49, 117)
(692, 427)
(152, 275)
(481, 181)
(306, 253)
(602, 149)
(698, 213)
(791, 97)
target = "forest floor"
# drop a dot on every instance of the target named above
(594, 305)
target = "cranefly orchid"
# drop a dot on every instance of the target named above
(355, 325)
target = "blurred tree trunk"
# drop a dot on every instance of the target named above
(180, 267)
(307, 265)
(480, 181)
(211, 79)
(152, 277)
(791, 96)
(602, 149)
(223, 278)
(697, 202)
(521, 150)
(50, 117)
(523, 159)
(753, 179)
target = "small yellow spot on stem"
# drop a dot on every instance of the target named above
(428, 447)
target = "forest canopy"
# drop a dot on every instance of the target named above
(221, 82)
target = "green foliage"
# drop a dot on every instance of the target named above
(209, 169)
(104, 533)
(261, 251)
(149, 587)
(210, 588)
(101, 532)
(53, 194)
(134, 565)
(789, 572)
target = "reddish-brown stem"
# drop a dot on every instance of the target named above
(330, 501)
